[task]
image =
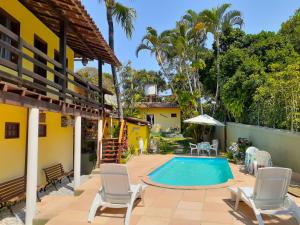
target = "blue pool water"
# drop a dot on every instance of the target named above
(183, 171)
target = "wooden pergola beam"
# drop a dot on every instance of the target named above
(70, 27)
(83, 36)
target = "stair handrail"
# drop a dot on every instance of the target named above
(120, 140)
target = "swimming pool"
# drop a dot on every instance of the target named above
(184, 171)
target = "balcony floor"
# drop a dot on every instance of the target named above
(162, 206)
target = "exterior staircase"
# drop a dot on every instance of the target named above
(112, 148)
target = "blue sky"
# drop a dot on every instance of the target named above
(161, 14)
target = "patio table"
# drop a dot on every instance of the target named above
(203, 146)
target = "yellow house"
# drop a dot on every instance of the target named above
(42, 100)
(164, 117)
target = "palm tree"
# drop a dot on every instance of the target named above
(157, 44)
(216, 21)
(124, 16)
(196, 27)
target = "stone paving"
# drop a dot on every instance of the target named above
(162, 206)
(64, 189)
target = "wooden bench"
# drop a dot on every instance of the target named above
(13, 191)
(55, 174)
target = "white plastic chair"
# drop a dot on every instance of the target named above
(214, 146)
(249, 159)
(116, 191)
(194, 147)
(261, 159)
(269, 195)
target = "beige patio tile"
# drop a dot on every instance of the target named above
(150, 220)
(217, 206)
(193, 195)
(114, 221)
(138, 211)
(101, 220)
(184, 222)
(165, 203)
(159, 212)
(162, 206)
(217, 217)
(187, 214)
(172, 194)
(190, 205)
(217, 192)
(243, 222)
(73, 215)
(215, 199)
(212, 223)
(134, 219)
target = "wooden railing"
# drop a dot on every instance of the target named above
(122, 139)
(15, 72)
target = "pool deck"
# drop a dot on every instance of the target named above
(162, 206)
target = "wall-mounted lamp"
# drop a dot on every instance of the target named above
(84, 61)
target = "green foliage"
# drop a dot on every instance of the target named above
(165, 147)
(257, 75)
(278, 99)
(125, 16)
(291, 29)
(116, 131)
(90, 74)
(168, 145)
(238, 90)
(194, 131)
(248, 69)
(133, 85)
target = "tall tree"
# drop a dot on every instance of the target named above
(158, 45)
(133, 87)
(291, 29)
(216, 21)
(124, 16)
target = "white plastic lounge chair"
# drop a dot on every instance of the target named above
(250, 158)
(194, 147)
(269, 195)
(261, 159)
(214, 146)
(116, 191)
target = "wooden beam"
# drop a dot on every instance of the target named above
(25, 101)
(81, 25)
(55, 7)
(63, 55)
(100, 85)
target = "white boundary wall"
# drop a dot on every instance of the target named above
(283, 145)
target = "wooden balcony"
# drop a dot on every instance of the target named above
(22, 85)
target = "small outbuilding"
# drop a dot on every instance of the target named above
(163, 116)
(138, 134)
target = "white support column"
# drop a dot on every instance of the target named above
(99, 138)
(32, 164)
(77, 152)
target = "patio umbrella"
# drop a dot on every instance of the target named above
(204, 120)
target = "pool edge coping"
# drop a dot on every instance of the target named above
(146, 179)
